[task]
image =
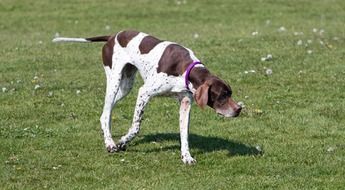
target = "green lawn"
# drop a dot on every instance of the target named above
(52, 95)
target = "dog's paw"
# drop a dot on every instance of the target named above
(188, 160)
(111, 146)
(112, 149)
(121, 146)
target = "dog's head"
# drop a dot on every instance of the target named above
(217, 94)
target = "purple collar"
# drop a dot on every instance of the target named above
(189, 69)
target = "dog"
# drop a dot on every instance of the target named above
(166, 68)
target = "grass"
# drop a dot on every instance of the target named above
(50, 136)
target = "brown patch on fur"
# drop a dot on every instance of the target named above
(198, 76)
(107, 52)
(201, 95)
(124, 37)
(174, 61)
(219, 92)
(98, 39)
(148, 43)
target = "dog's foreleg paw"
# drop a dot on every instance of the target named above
(188, 160)
(121, 146)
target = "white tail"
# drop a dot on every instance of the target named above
(82, 40)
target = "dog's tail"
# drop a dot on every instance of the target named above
(82, 40)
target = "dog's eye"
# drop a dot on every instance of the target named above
(223, 97)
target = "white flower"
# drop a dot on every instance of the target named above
(241, 104)
(269, 71)
(196, 35)
(258, 148)
(57, 35)
(267, 58)
(78, 92)
(301, 72)
(310, 41)
(56, 167)
(299, 42)
(310, 51)
(50, 93)
(107, 27)
(321, 31)
(4, 89)
(255, 33)
(330, 149)
(250, 71)
(37, 86)
(282, 29)
(315, 30)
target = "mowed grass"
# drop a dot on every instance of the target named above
(52, 95)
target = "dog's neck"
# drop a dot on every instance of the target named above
(199, 75)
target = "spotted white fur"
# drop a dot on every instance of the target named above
(154, 84)
(120, 79)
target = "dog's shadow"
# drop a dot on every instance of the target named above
(202, 144)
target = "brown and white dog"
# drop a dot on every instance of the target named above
(166, 68)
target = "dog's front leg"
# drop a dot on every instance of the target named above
(186, 102)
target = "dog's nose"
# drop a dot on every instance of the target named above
(237, 110)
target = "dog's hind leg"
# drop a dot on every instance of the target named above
(113, 85)
(119, 83)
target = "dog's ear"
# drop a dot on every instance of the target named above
(201, 95)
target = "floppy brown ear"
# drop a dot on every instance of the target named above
(201, 95)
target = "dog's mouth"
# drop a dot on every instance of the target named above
(229, 112)
(228, 115)
(228, 109)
